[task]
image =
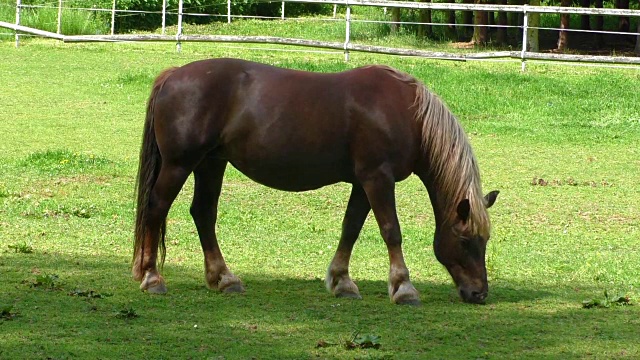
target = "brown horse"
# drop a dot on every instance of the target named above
(297, 131)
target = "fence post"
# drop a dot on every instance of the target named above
(347, 32)
(164, 16)
(113, 16)
(228, 11)
(525, 26)
(282, 11)
(18, 4)
(59, 28)
(179, 33)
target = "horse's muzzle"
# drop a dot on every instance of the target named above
(472, 296)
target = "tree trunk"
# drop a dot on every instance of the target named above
(480, 32)
(563, 37)
(637, 50)
(623, 22)
(395, 18)
(585, 23)
(514, 18)
(532, 34)
(451, 28)
(425, 17)
(599, 24)
(501, 32)
(467, 19)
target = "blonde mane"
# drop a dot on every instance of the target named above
(453, 166)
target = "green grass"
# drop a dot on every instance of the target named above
(69, 138)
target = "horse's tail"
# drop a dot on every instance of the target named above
(148, 170)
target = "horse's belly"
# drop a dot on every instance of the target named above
(287, 156)
(293, 176)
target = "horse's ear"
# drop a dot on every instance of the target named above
(463, 210)
(490, 198)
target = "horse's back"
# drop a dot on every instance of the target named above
(288, 129)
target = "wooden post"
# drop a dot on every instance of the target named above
(534, 22)
(637, 49)
(59, 29)
(113, 17)
(179, 33)
(164, 16)
(525, 25)
(347, 33)
(282, 12)
(18, 4)
(228, 11)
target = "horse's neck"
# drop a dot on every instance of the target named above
(437, 200)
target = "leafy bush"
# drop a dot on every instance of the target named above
(132, 21)
(77, 16)
(86, 21)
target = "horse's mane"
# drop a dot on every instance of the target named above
(453, 166)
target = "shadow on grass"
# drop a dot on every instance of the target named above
(286, 318)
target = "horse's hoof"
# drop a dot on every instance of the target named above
(230, 284)
(233, 289)
(405, 295)
(158, 289)
(153, 283)
(344, 288)
(412, 302)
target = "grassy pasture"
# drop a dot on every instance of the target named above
(560, 143)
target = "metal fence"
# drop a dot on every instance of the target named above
(348, 45)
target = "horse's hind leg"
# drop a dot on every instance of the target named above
(204, 210)
(338, 280)
(379, 187)
(167, 186)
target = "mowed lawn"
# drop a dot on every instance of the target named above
(560, 143)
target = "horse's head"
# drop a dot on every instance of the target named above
(460, 246)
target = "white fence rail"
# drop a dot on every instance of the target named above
(348, 45)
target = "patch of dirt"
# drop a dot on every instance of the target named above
(569, 182)
(579, 43)
(463, 45)
(591, 43)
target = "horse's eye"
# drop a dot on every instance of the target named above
(471, 246)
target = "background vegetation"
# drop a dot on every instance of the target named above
(80, 17)
(559, 142)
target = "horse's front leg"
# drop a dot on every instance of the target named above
(204, 210)
(380, 192)
(338, 280)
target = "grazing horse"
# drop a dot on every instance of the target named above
(297, 131)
